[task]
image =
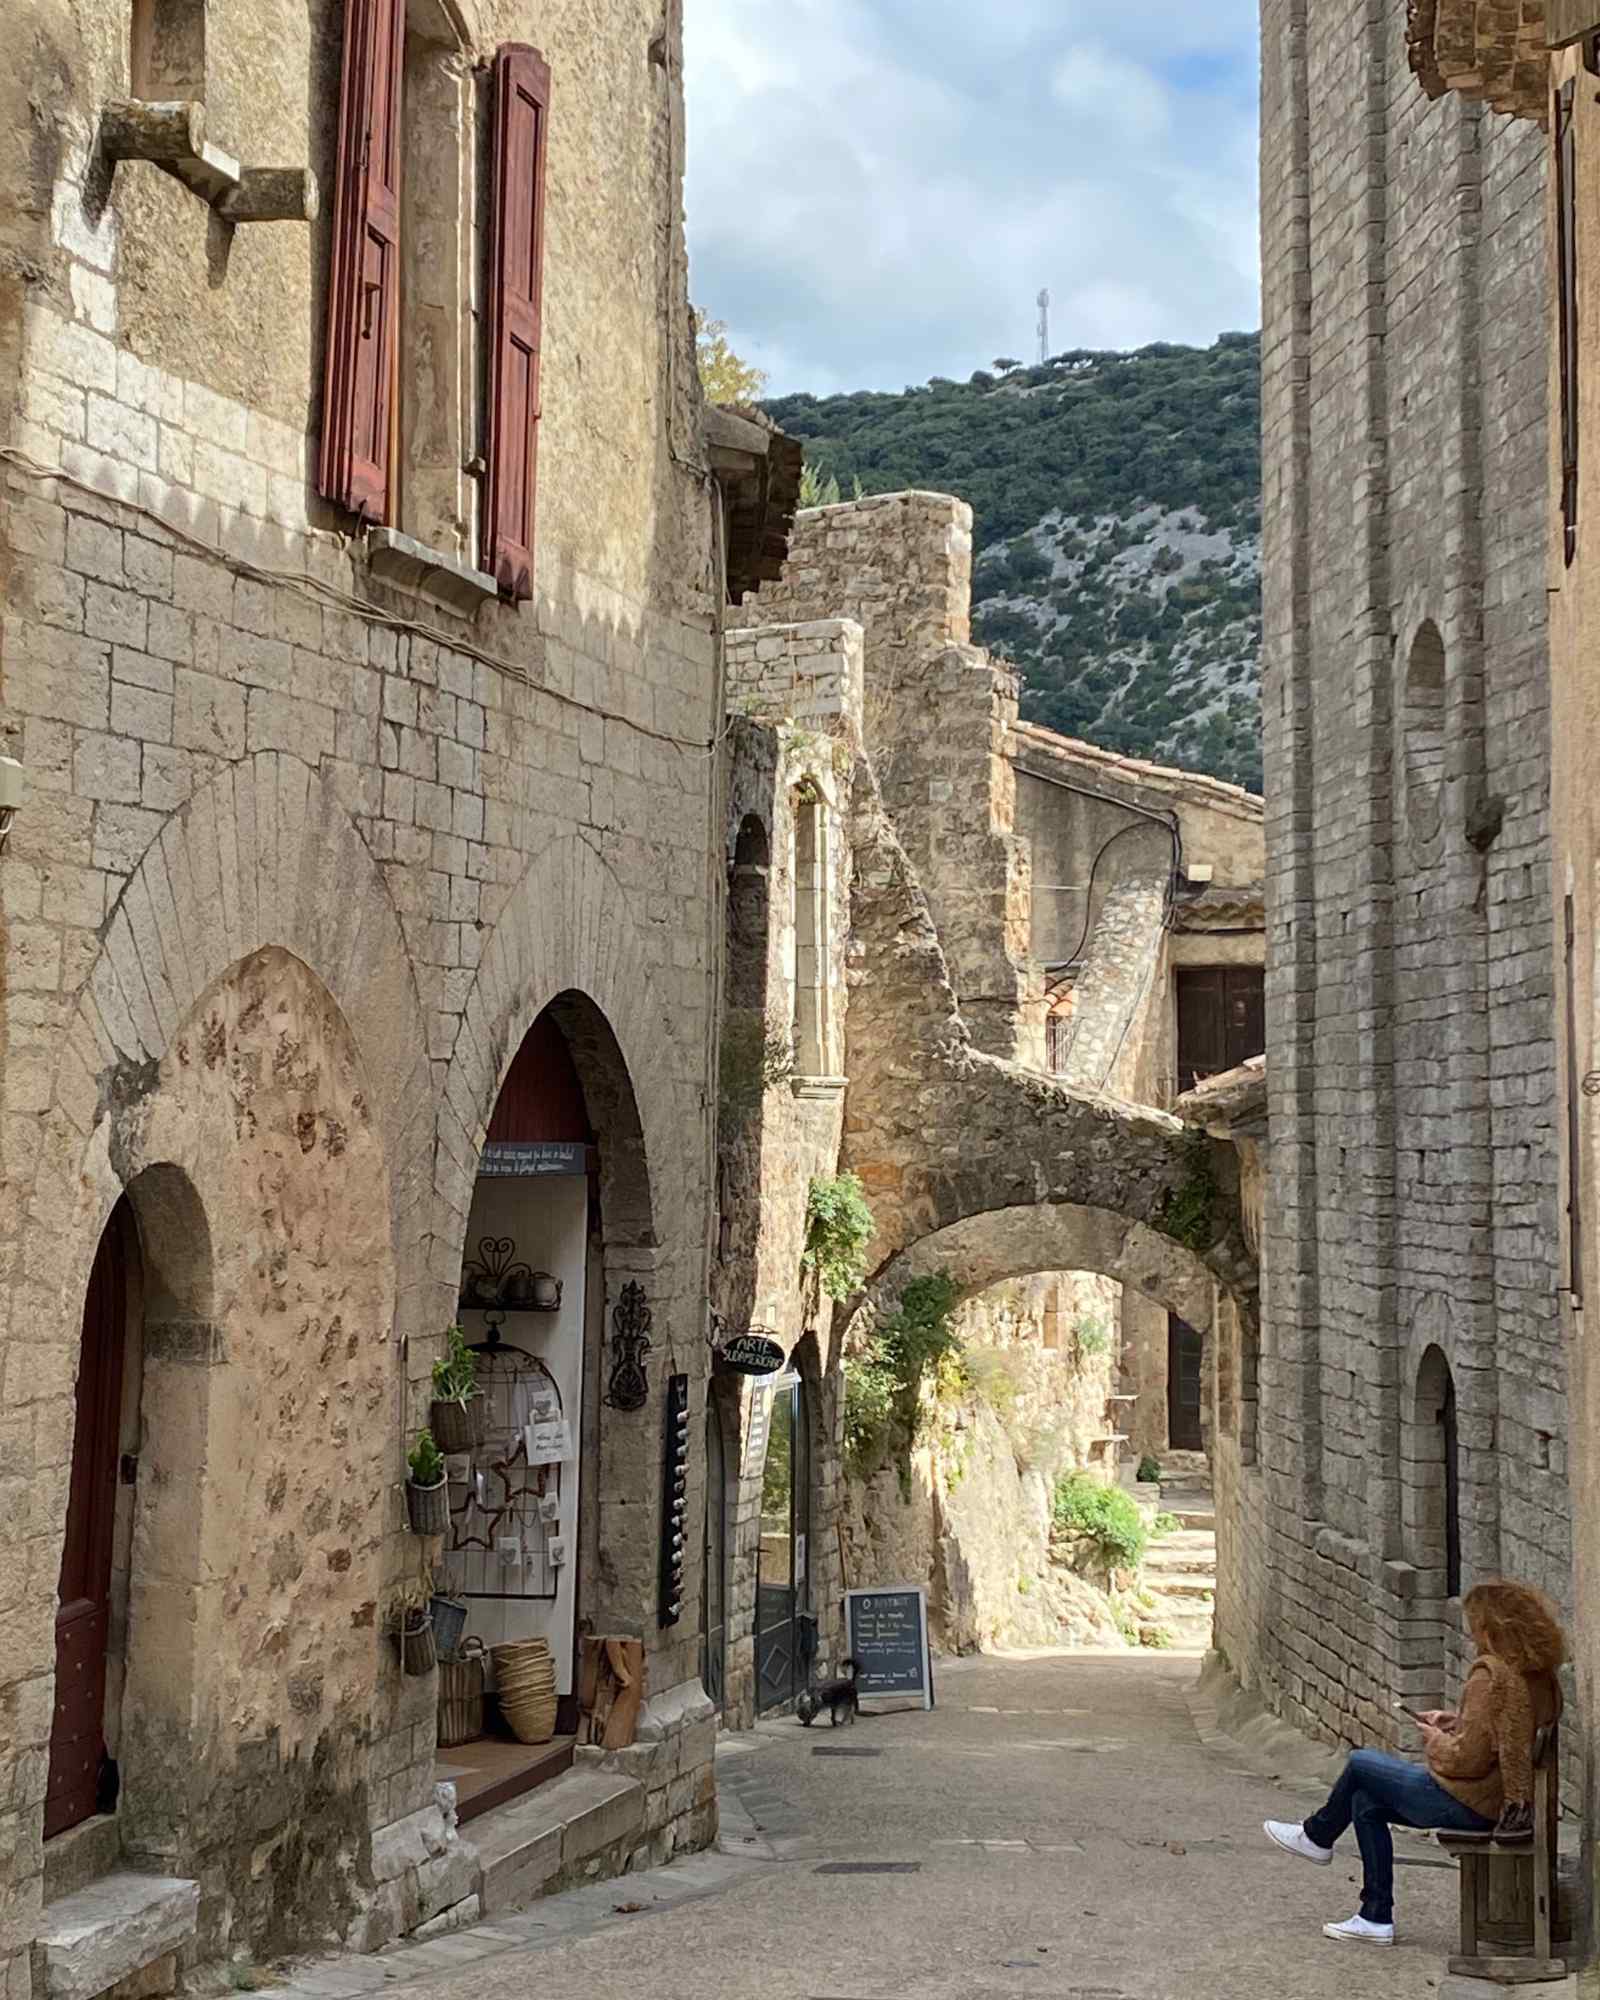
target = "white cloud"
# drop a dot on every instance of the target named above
(877, 188)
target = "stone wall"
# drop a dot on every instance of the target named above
(1411, 1080)
(900, 564)
(303, 857)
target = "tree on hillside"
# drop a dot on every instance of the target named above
(724, 375)
(1004, 364)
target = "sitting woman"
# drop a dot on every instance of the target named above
(1477, 1772)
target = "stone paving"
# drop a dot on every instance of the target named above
(1055, 1828)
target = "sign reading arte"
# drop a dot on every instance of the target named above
(750, 1354)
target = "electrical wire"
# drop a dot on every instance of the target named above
(327, 595)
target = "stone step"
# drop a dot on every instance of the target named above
(1164, 1557)
(525, 1846)
(111, 1929)
(1181, 1588)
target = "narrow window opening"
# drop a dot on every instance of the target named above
(811, 938)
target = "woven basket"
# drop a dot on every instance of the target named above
(525, 1679)
(461, 1696)
(417, 1654)
(459, 1426)
(449, 1622)
(428, 1508)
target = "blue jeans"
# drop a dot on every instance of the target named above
(1375, 1792)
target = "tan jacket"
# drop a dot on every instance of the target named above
(1487, 1757)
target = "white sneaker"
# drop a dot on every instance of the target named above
(1356, 1930)
(1293, 1839)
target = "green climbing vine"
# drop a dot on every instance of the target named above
(885, 1407)
(839, 1227)
(1188, 1215)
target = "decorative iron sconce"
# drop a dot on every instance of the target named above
(630, 1343)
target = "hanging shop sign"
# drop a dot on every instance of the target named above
(532, 1159)
(887, 1632)
(752, 1353)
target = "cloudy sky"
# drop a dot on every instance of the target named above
(878, 188)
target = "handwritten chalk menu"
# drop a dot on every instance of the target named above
(887, 1632)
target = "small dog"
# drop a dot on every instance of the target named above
(837, 1697)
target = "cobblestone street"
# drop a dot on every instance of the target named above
(1056, 1828)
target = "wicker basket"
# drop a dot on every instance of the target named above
(449, 1622)
(525, 1680)
(461, 1696)
(417, 1654)
(428, 1508)
(459, 1426)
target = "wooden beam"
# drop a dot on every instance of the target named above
(1568, 21)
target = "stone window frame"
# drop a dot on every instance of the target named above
(813, 1023)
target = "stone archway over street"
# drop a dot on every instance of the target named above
(982, 1166)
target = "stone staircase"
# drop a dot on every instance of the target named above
(1180, 1567)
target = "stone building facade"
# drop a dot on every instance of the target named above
(1544, 77)
(867, 710)
(1410, 1431)
(362, 816)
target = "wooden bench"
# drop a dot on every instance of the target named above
(1527, 1869)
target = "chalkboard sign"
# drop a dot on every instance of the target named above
(887, 1631)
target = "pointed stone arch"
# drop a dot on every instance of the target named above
(265, 855)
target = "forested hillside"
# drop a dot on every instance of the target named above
(1117, 516)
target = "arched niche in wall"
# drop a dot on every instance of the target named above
(1423, 719)
(1431, 1492)
(749, 917)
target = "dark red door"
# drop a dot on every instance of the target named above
(83, 1614)
(1185, 1358)
(1222, 1019)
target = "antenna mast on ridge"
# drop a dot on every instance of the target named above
(1044, 328)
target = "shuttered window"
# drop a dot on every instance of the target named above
(516, 284)
(364, 276)
(1567, 311)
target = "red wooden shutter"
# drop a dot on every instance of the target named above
(364, 276)
(516, 287)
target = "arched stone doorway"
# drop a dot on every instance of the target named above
(785, 1621)
(82, 1774)
(559, 1209)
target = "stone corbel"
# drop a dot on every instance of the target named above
(172, 136)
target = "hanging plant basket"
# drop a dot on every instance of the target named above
(460, 1426)
(417, 1654)
(428, 1508)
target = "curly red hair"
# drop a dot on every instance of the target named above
(1516, 1624)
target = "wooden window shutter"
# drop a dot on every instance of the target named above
(1567, 311)
(364, 276)
(516, 289)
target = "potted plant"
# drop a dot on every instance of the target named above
(457, 1416)
(427, 1496)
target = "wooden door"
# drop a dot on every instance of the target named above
(1222, 1019)
(1185, 1352)
(83, 1610)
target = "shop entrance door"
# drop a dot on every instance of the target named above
(1185, 1353)
(785, 1641)
(713, 1599)
(83, 1604)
